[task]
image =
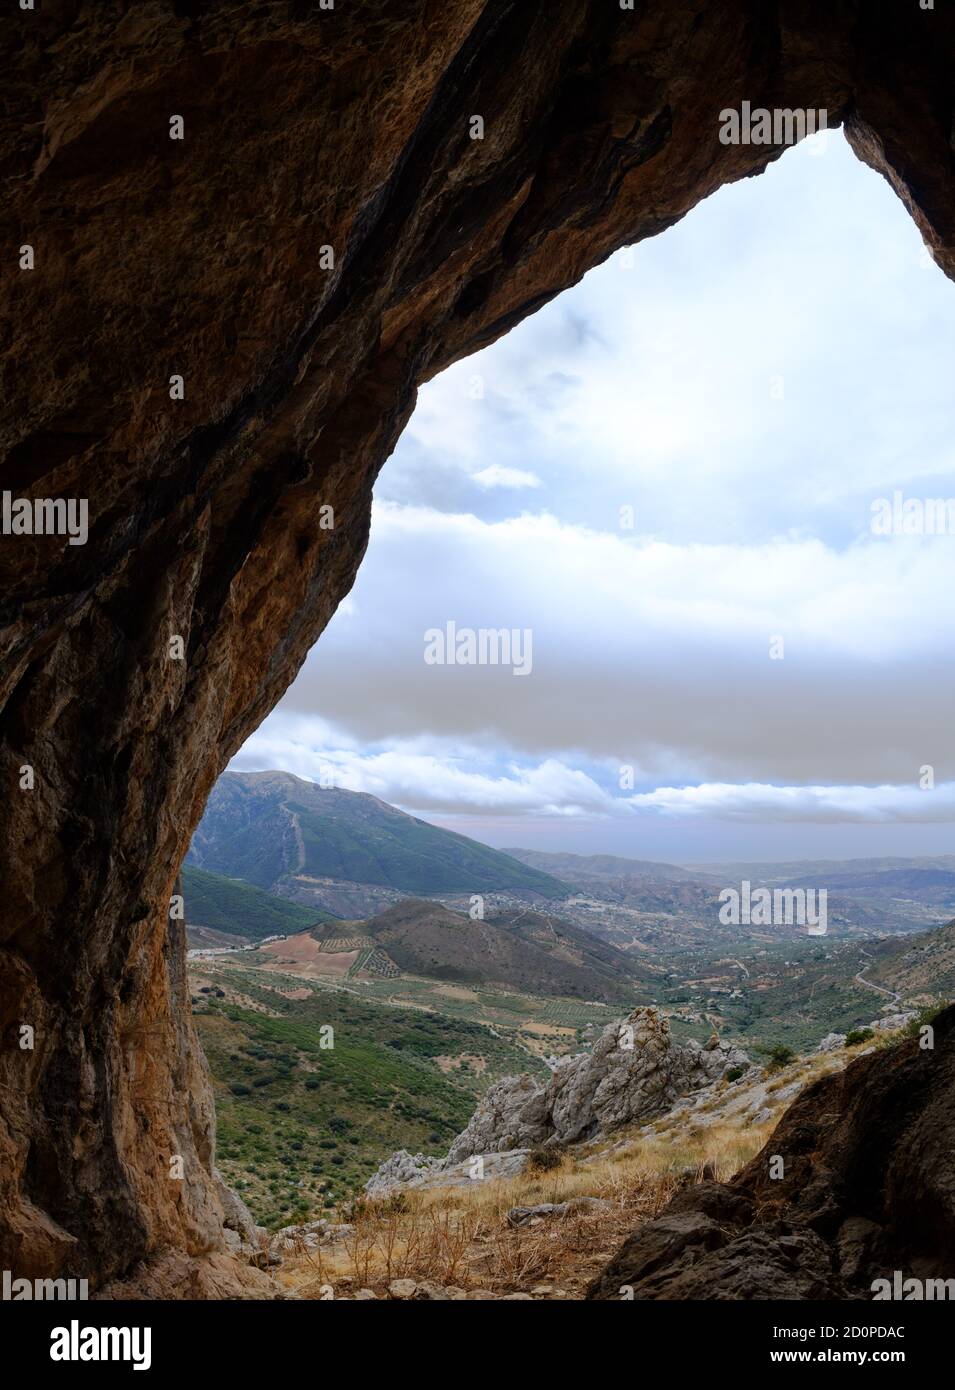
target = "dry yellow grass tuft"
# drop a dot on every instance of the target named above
(460, 1236)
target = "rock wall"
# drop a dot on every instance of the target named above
(633, 1072)
(866, 1187)
(200, 266)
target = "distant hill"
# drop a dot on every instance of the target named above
(268, 827)
(237, 909)
(522, 950)
(788, 870)
(919, 967)
(578, 868)
(934, 886)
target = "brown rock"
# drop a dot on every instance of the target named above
(202, 258)
(868, 1187)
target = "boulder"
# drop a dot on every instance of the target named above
(867, 1187)
(633, 1072)
(576, 1206)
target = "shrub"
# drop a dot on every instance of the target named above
(238, 1089)
(924, 1016)
(858, 1035)
(735, 1073)
(542, 1160)
(780, 1056)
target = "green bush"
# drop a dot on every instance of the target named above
(779, 1056)
(858, 1035)
(929, 1015)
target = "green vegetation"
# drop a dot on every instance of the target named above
(913, 1029)
(262, 826)
(225, 905)
(301, 1124)
(858, 1035)
(779, 1056)
(793, 992)
(393, 850)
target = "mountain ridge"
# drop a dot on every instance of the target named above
(269, 827)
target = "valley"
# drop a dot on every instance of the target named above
(334, 1039)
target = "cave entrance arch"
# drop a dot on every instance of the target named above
(200, 260)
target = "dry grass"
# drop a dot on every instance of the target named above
(460, 1236)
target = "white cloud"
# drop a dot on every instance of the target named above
(439, 784)
(497, 476)
(756, 802)
(656, 387)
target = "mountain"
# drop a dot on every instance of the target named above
(521, 950)
(931, 886)
(920, 968)
(270, 828)
(221, 904)
(788, 870)
(583, 868)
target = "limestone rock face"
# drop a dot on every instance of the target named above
(633, 1072)
(403, 1169)
(868, 1188)
(325, 236)
(243, 1235)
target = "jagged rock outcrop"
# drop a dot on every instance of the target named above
(206, 259)
(403, 1169)
(633, 1072)
(867, 1188)
(243, 1235)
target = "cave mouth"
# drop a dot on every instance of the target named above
(772, 449)
(186, 356)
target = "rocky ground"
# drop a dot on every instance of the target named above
(634, 1071)
(545, 1221)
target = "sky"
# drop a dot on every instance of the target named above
(668, 483)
